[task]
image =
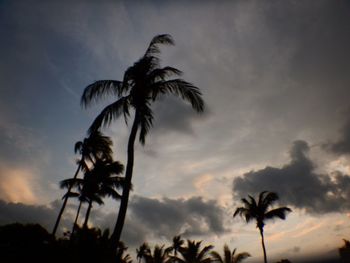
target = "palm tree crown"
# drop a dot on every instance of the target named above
(193, 253)
(229, 257)
(258, 210)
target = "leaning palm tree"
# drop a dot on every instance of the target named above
(95, 146)
(143, 83)
(229, 257)
(193, 253)
(258, 210)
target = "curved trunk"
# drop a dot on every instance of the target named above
(115, 238)
(76, 218)
(64, 203)
(87, 215)
(263, 243)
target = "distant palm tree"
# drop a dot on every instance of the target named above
(95, 146)
(193, 253)
(258, 210)
(229, 257)
(120, 257)
(98, 182)
(143, 83)
(177, 244)
(159, 255)
(142, 251)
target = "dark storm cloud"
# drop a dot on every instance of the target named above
(24, 213)
(298, 184)
(168, 217)
(150, 219)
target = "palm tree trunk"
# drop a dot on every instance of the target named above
(263, 243)
(115, 238)
(76, 218)
(87, 215)
(64, 203)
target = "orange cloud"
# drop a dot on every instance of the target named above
(16, 186)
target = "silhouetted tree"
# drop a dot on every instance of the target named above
(142, 251)
(99, 181)
(192, 253)
(143, 83)
(344, 251)
(258, 211)
(159, 255)
(96, 145)
(177, 244)
(229, 257)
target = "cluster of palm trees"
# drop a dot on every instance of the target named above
(191, 252)
(142, 84)
(100, 176)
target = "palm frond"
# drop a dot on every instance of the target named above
(280, 212)
(159, 74)
(269, 199)
(216, 257)
(180, 88)
(110, 113)
(145, 123)
(99, 90)
(241, 256)
(153, 48)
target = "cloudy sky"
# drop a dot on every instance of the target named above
(275, 76)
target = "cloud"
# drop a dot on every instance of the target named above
(298, 184)
(342, 146)
(159, 219)
(16, 185)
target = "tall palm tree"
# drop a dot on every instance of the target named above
(258, 210)
(193, 253)
(95, 146)
(229, 257)
(143, 83)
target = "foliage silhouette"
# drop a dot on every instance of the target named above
(193, 253)
(258, 211)
(98, 182)
(95, 146)
(344, 251)
(143, 83)
(229, 257)
(142, 251)
(177, 244)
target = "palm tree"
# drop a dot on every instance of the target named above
(193, 253)
(160, 255)
(229, 257)
(259, 211)
(95, 146)
(177, 244)
(97, 183)
(143, 83)
(142, 251)
(120, 257)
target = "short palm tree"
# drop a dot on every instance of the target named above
(258, 211)
(193, 253)
(229, 257)
(159, 255)
(95, 146)
(142, 251)
(100, 181)
(143, 83)
(177, 244)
